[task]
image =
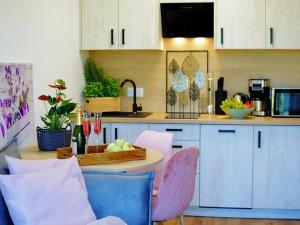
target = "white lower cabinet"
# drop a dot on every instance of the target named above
(195, 200)
(276, 167)
(185, 136)
(103, 138)
(226, 166)
(180, 145)
(127, 131)
(183, 132)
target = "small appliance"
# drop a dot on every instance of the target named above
(259, 90)
(187, 19)
(286, 102)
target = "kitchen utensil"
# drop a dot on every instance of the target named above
(238, 113)
(220, 96)
(241, 97)
(97, 126)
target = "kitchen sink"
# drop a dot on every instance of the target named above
(126, 114)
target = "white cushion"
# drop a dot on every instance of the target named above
(109, 220)
(49, 197)
(19, 166)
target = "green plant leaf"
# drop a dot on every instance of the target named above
(91, 72)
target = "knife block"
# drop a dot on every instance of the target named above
(220, 96)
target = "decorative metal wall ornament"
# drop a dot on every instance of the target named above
(190, 65)
(180, 82)
(173, 66)
(199, 78)
(186, 84)
(171, 98)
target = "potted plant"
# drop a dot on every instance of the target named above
(101, 93)
(57, 130)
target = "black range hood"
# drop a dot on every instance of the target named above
(187, 19)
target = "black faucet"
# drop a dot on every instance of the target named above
(135, 108)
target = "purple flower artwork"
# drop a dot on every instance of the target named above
(15, 99)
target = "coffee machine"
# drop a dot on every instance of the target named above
(259, 90)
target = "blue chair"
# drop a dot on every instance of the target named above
(127, 196)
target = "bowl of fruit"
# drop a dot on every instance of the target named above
(119, 145)
(236, 109)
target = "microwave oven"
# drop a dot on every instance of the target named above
(285, 102)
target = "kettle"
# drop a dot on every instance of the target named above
(243, 98)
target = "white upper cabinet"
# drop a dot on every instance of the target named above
(240, 24)
(120, 24)
(139, 24)
(283, 24)
(276, 167)
(99, 24)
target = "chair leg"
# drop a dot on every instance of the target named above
(181, 219)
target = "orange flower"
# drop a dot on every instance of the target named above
(59, 87)
(58, 100)
(43, 97)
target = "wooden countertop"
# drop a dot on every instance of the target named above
(206, 119)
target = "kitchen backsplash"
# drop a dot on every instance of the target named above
(148, 68)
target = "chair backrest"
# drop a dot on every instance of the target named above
(158, 141)
(177, 185)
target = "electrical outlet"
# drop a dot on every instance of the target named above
(139, 92)
(130, 92)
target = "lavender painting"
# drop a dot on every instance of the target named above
(15, 100)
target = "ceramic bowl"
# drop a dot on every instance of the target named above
(238, 113)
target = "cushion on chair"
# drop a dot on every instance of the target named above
(10, 150)
(49, 197)
(127, 196)
(19, 166)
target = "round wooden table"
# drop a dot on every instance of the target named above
(153, 157)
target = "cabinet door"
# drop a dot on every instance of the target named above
(103, 138)
(240, 24)
(99, 24)
(138, 24)
(180, 145)
(276, 174)
(283, 27)
(127, 131)
(226, 166)
(181, 132)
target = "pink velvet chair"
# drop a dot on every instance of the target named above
(158, 141)
(177, 186)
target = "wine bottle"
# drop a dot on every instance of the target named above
(78, 139)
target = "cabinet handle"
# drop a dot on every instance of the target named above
(271, 36)
(112, 36)
(116, 133)
(259, 139)
(177, 146)
(104, 135)
(173, 130)
(222, 36)
(226, 131)
(123, 36)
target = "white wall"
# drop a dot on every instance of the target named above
(46, 34)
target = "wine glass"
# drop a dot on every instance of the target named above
(86, 129)
(97, 127)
